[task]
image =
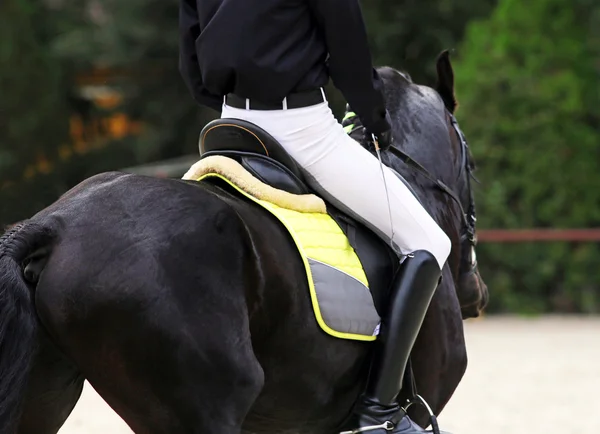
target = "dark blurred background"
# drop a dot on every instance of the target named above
(93, 85)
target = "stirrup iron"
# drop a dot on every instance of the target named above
(418, 399)
(387, 425)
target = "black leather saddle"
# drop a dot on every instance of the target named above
(256, 150)
(264, 157)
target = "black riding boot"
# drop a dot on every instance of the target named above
(377, 412)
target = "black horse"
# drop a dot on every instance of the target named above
(187, 307)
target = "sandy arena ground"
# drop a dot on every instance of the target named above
(525, 376)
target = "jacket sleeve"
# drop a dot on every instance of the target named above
(189, 30)
(350, 63)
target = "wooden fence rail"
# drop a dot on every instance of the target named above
(537, 235)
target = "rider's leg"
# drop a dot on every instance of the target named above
(412, 290)
(350, 177)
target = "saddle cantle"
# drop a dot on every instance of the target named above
(266, 159)
(256, 150)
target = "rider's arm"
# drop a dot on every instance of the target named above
(189, 30)
(350, 60)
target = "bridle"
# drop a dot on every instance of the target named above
(469, 218)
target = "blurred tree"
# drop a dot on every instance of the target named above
(136, 42)
(32, 109)
(45, 145)
(33, 116)
(528, 85)
(409, 34)
(141, 38)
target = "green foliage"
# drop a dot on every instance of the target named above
(410, 34)
(44, 48)
(31, 106)
(139, 39)
(33, 113)
(527, 82)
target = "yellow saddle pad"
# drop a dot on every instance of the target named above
(339, 289)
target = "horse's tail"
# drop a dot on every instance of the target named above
(18, 320)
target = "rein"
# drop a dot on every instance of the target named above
(469, 219)
(440, 184)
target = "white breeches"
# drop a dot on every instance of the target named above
(349, 176)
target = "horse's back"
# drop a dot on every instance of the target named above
(145, 290)
(114, 229)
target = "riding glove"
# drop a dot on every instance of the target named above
(352, 123)
(384, 139)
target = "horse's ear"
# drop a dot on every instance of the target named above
(445, 81)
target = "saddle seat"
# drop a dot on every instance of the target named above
(266, 159)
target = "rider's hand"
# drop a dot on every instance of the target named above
(352, 122)
(384, 139)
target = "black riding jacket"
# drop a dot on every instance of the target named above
(267, 49)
